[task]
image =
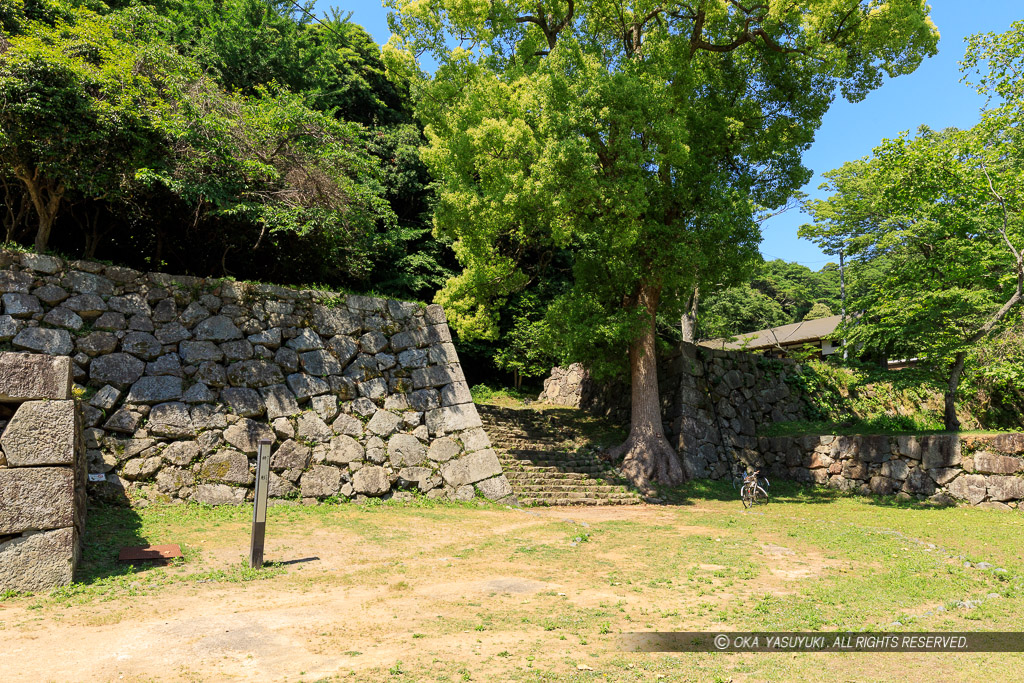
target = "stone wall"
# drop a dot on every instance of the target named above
(980, 470)
(42, 473)
(183, 375)
(714, 403)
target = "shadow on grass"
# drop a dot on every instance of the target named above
(108, 528)
(781, 491)
(785, 491)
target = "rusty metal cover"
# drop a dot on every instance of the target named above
(149, 552)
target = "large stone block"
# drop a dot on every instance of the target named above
(280, 401)
(246, 434)
(1009, 443)
(940, 451)
(38, 561)
(172, 420)
(993, 463)
(406, 450)
(332, 321)
(443, 449)
(243, 402)
(1005, 488)
(217, 328)
(319, 363)
(33, 498)
(456, 393)
(471, 468)
(971, 487)
(496, 488)
(450, 419)
(26, 377)
(310, 427)
(230, 467)
(15, 282)
(43, 340)
(291, 455)
(41, 433)
(320, 481)
(433, 376)
(219, 494)
(116, 369)
(155, 390)
(384, 423)
(371, 481)
(254, 374)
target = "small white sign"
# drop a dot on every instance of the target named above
(97, 477)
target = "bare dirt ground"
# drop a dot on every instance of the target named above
(307, 624)
(490, 594)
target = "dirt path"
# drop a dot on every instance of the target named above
(436, 594)
(315, 621)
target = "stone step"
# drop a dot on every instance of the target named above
(526, 476)
(548, 459)
(577, 488)
(531, 445)
(542, 461)
(576, 496)
(554, 468)
(533, 476)
(522, 437)
(570, 484)
(546, 502)
(545, 475)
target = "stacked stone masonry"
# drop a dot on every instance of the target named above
(944, 468)
(42, 473)
(715, 402)
(361, 396)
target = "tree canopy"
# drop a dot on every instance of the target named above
(944, 209)
(642, 138)
(135, 131)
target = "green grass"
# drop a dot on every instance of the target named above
(812, 559)
(506, 397)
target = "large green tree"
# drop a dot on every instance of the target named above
(77, 103)
(280, 144)
(637, 134)
(944, 210)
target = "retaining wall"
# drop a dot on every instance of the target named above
(714, 402)
(361, 396)
(42, 473)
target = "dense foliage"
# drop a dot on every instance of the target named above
(945, 209)
(135, 132)
(778, 293)
(641, 138)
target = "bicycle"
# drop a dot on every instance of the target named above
(752, 492)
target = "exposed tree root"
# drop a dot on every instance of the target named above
(648, 460)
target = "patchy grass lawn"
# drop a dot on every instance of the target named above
(442, 592)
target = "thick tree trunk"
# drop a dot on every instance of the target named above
(46, 222)
(46, 199)
(688, 323)
(955, 374)
(647, 456)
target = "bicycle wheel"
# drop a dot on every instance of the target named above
(760, 496)
(747, 496)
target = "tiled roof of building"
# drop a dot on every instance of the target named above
(786, 335)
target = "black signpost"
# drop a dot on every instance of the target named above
(259, 506)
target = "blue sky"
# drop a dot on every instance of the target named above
(932, 95)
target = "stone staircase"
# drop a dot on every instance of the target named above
(548, 461)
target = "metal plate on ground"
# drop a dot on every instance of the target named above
(150, 552)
